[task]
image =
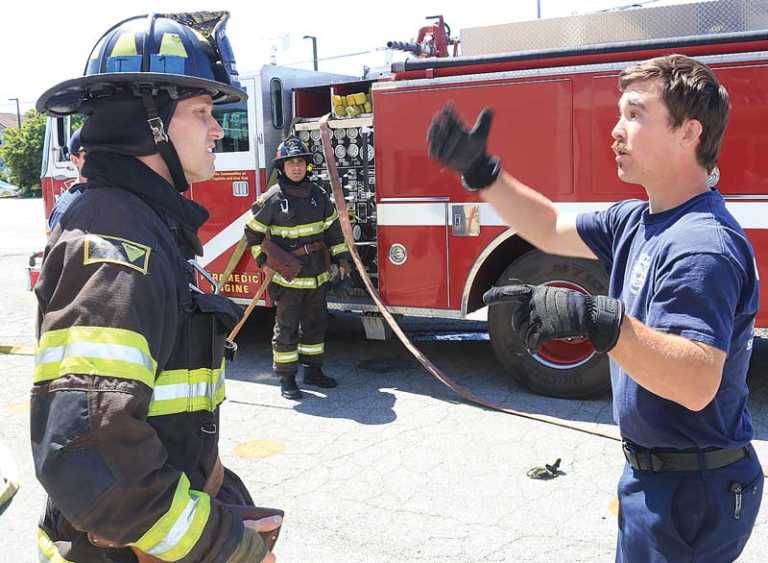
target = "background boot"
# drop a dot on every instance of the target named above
(313, 375)
(288, 387)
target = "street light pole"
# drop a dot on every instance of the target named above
(314, 48)
(538, 9)
(18, 112)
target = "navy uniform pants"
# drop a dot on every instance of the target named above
(300, 323)
(688, 516)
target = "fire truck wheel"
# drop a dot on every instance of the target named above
(566, 369)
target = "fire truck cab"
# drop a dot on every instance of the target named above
(431, 247)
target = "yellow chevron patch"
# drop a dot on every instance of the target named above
(116, 250)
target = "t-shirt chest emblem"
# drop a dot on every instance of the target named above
(639, 273)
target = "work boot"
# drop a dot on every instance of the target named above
(288, 387)
(313, 375)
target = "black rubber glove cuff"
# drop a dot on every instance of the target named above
(605, 318)
(482, 173)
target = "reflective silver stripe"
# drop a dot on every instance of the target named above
(179, 529)
(165, 392)
(95, 350)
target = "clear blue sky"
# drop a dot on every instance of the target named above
(44, 43)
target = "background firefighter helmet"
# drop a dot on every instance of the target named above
(292, 147)
(137, 72)
(178, 53)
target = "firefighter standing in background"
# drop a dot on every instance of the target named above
(129, 372)
(295, 230)
(678, 323)
(77, 158)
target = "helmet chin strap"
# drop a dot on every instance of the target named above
(164, 145)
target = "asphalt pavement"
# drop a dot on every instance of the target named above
(389, 467)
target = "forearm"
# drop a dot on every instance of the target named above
(525, 210)
(669, 365)
(93, 475)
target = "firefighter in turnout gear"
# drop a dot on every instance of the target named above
(295, 230)
(130, 364)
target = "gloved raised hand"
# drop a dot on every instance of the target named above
(464, 151)
(542, 313)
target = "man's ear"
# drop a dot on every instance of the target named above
(692, 130)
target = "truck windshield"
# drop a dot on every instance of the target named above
(233, 118)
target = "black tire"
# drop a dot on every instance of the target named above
(561, 369)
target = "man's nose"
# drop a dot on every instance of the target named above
(217, 131)
(618, 131)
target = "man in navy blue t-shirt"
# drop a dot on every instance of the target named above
(678, 321)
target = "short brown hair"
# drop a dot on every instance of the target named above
(690, 91)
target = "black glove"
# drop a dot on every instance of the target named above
(464, 151)
(542, 313)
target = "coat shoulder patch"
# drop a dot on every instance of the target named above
(116, 250)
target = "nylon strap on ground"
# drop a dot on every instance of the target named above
(346, 228)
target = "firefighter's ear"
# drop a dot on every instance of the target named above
(691, 130)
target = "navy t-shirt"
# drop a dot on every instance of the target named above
(63, 202)
(688, 271)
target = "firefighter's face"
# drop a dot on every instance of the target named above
(194, 132)
(645, 145)
(295, 169)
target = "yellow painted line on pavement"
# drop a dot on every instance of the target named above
(259, 449)
(613, 506)
(22, 407)
(18, 350)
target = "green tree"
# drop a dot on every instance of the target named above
(22, 151)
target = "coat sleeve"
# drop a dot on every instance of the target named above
(334, 239)
(258, 226)
(106, 322)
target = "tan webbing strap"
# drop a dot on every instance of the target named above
(240, 249)
(346, 228)
(252, 305)
(242, 244)
(215, 479)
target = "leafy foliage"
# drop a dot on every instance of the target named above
(22, 151)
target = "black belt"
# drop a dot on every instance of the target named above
(653, 460)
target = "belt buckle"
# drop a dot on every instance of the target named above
(657, 463)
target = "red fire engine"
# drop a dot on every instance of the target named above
(431, 247)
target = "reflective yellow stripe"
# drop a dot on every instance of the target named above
(178, 530)
(330, 219)
(46, 551)
(302, 283)
(184, 390)
(93, 350)
(256, 250)
(125, 46)
(298, 231)
(285, 357)
(254, 225)
(172, 45)
(312, 349)
(338, 248)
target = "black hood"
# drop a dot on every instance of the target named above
(105, 170)
(118, 124)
